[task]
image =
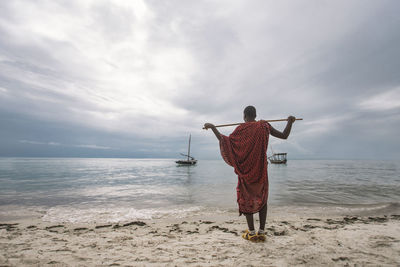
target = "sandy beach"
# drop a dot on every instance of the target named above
(204, 241)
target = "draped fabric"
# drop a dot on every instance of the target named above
(245, 149)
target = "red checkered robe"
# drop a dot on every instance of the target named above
(246, 151)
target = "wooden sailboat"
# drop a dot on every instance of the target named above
(190, 160)
(277, 158)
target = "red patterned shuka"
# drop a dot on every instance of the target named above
(246, 151)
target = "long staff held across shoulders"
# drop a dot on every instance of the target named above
(233, 124)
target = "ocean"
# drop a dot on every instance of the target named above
(112, 190)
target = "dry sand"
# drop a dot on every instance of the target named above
(199, 241)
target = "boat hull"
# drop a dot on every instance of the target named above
(278, 158)
(278, 161)
(186, 162)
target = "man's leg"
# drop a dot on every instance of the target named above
(251, 233)
(250, 222)
(263, 216)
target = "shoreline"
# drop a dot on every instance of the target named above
(204, 240)
(113, 214)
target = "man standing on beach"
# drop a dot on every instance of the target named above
(245, 149)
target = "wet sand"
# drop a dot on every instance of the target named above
(204, 241)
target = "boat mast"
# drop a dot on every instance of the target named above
(188, 155)
(271, 149)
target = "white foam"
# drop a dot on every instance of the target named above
(354, 209)
(126, 191)
(112, 214)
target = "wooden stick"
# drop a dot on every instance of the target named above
(233, 124)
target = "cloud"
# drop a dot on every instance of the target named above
(148, 73)
(93, 146)
(59, 144)
(382, 101)
(77, 60)
(39, 143)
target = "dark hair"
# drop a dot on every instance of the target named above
(250, 112)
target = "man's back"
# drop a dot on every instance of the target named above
(245, 149)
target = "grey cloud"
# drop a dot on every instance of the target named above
(39, 143)
(115, 22)
(23, 135)
(317, 60)
(58, 144)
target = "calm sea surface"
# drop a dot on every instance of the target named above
(84, 190)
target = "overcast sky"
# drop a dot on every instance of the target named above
(135, 78)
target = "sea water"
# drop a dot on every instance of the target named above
(112, 190)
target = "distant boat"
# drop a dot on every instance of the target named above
(278, 158)
(190, 160)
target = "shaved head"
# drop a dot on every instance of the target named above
(250, 112)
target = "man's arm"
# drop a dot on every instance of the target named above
(285, 134)
(214, 129)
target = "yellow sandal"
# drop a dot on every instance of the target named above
(246, 235)
(261, 237)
